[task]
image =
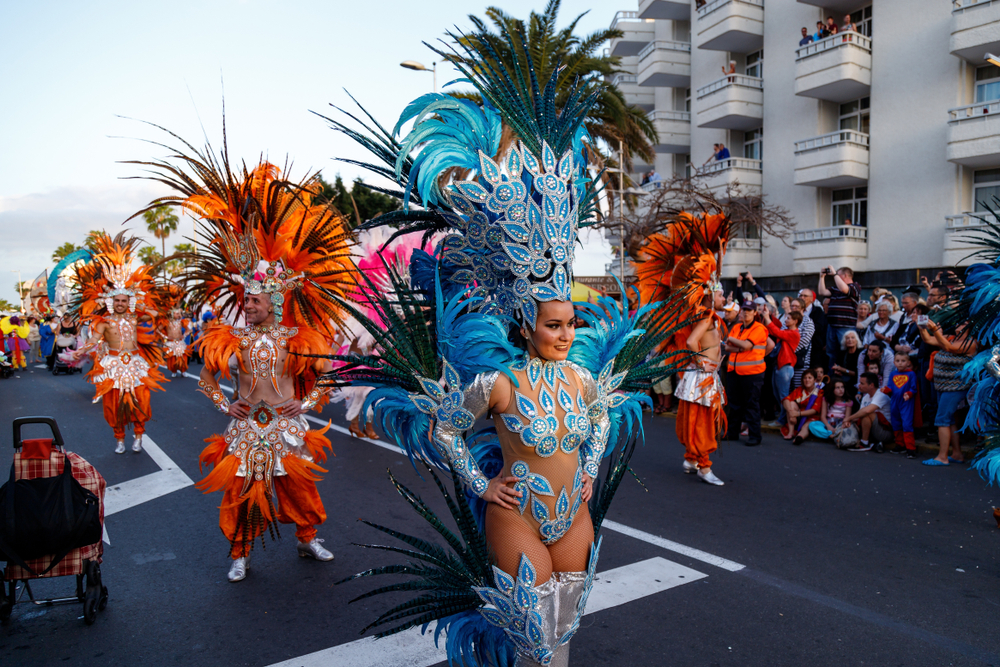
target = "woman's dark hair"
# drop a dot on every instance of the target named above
(516, 339)
(809, 371)
(880, 345)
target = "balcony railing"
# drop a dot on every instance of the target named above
(664, 114)
(959, 114)
(619, 79)
(832, 139)
(960, 5)
(731, 80)
(652, 186)
(963, 221)
(744, 245)
(624, 16)
(719, 166)
(834, 42)
(832, 234)
(710, 7)
(664, 45)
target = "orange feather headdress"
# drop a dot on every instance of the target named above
(112, 274)
(260, 234)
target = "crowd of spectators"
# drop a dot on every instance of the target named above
(824, 30)
(866, 374)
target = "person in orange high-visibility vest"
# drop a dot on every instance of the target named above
(746, 344)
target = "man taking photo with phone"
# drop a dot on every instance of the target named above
(842, 313)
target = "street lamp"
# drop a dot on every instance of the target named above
(419, 67)
(20, 289)
(992, 59)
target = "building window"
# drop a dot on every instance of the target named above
(854, 115)
(687, 100)
(986, 187)
(752, 143)
(987, 83)
(863, 19)
(687, 165)
(755, 64)
(850, 204)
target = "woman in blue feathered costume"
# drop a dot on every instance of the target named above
(514, 583)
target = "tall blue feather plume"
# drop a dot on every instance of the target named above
(447, 132)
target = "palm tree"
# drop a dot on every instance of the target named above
(612, 119)
(161, 222)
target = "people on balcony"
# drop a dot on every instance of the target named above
(806, 37)
(821, 32)
(730, 72)
(831, 26)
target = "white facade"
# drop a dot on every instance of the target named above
(896, 126)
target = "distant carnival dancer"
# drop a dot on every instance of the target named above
(112, 301)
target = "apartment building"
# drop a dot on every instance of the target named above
(894, 127)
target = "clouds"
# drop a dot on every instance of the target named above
(35, 225)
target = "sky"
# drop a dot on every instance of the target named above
(79, 81)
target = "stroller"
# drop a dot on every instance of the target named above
(65, 345)
(78, 550)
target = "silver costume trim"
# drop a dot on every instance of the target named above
(690, 387)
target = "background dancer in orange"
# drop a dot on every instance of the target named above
(173, 329)
(126, 359)
(683, 255)
(270, 255)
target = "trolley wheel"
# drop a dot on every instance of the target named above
(90, 608)
(103, 602)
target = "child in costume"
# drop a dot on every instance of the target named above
(902, 388)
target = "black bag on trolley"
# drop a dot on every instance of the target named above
(47, 516)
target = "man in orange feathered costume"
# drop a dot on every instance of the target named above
(173, 328)
(126, 359)
(684, 255)
(275, 258)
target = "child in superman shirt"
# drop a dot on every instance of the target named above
(902, 387)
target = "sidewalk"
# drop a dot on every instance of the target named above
(969, 449)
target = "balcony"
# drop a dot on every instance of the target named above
(958, 234)
(638, 33)
(742, 255)
(731, 25)
(835, 160)
(837, 7)
(840, 246)
(673, 10)
(975, 29)
(837, 68)
(734, 176)
(674, 130)
(665, 64)
(974, 135)
(643, 98)
(734, 102)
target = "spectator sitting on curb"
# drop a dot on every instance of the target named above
(802, 406)
(837, 406)
(873, 417)
(842, 313)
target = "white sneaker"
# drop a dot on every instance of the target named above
(120, 449)
(238, 570)
(136, 444)
(690, 466)
(313, 549)
(709, 477)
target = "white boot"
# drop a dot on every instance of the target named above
(313, 549)
(137, 444)
(238, 570)
(120, 448)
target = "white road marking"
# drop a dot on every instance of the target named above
(134, 492)
(41, 365)
(676, 547)
(409, 649)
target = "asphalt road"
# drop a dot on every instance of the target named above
(850, 558)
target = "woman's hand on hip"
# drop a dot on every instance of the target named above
(498, 492)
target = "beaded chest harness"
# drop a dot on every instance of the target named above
(124, 326)
(539, 431)
(263, 344)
